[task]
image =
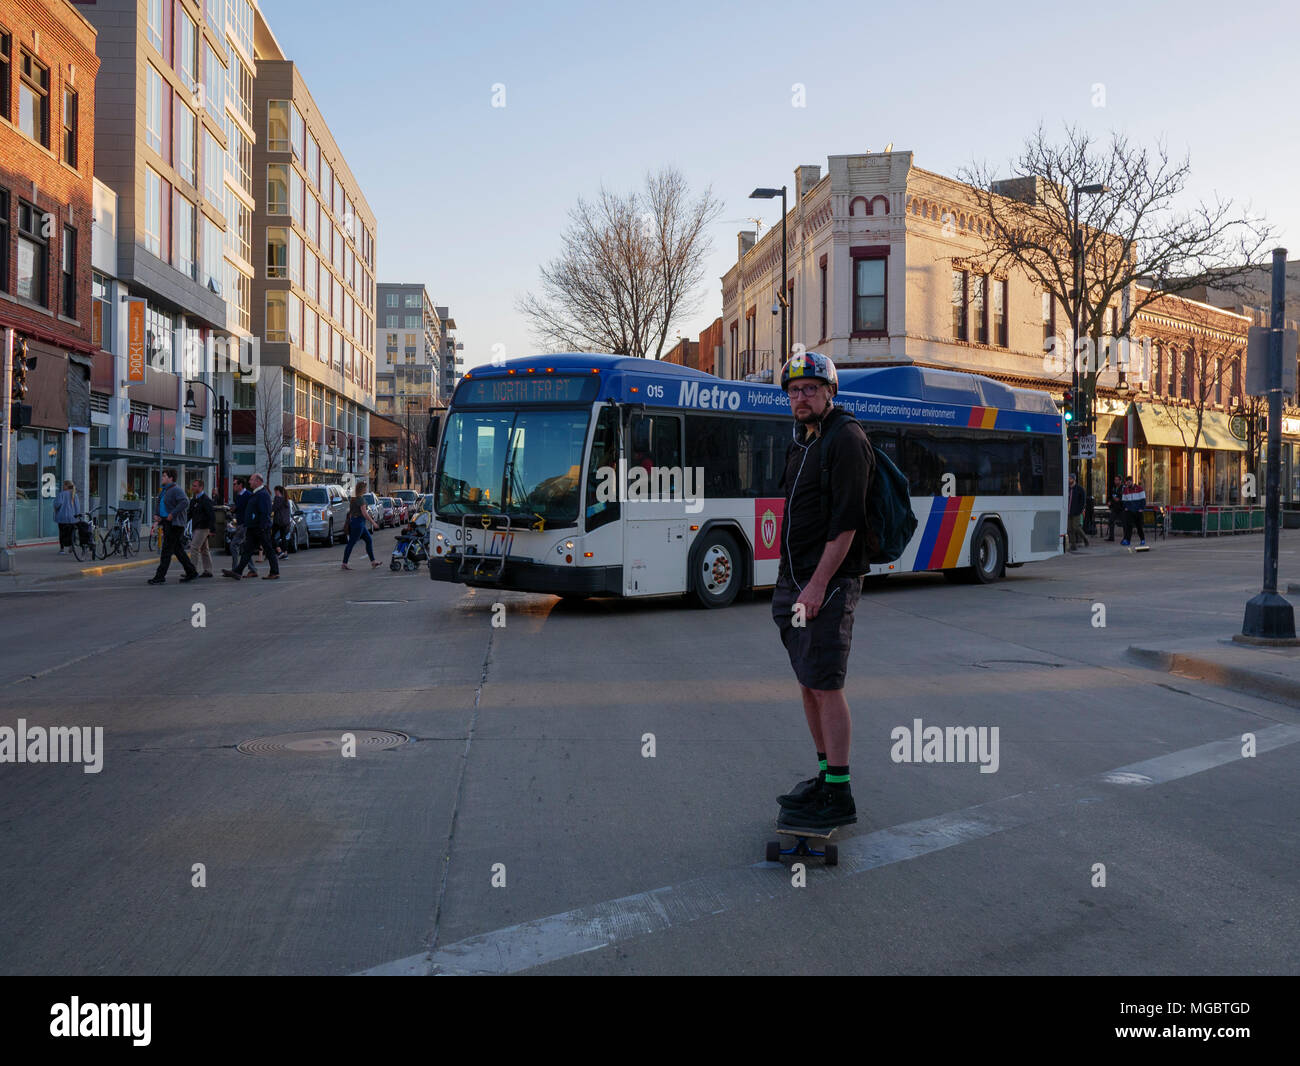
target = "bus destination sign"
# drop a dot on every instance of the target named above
(532, 389)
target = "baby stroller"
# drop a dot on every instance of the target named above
(411, 549)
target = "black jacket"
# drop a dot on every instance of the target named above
(1078, 502)
(280, 517)
(202, 513)
(805, 529)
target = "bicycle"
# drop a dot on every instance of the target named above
(84, 545)
(156, 538)
(122, 537)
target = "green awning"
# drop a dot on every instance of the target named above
(1169, 426)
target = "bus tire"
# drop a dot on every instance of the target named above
(718, 570)
(988, 553)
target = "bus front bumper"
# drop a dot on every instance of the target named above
(526, 576)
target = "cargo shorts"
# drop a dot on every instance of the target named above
(819, 649)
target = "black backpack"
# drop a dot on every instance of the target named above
(888, 506)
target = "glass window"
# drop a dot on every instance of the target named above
(153, 212)
(296, 130)
(295, 258)
(959, 305)
(326, 183)
(153, 109)
(276, 305)
(413, 299)
(186, 124)
(868, 295)
(1000, 312)
(101, 311)
(295, 320)
(183, 231)
(241, 153)
(310, 271)
(277, 189)
(68, 272)
(244, 231)
(34, 99)
(313, 161)
(390, 299)
(187, 60)
(309, 328)
(213, 257)
(153, 23)
(312, 217)
(214, 188)
(277, 126)
(214, 89)
(70, 128)
(295, 195)
(277, 252)
(978, 281)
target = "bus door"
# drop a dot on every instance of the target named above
(654, 530)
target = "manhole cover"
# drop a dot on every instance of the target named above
(323, 742)
(374, 603)
(1012, 664)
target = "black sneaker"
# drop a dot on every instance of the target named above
(830, 808)
(802, 793)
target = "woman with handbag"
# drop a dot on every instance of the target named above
(66, 508)
(358, 519)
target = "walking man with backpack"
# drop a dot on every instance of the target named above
(824, 555)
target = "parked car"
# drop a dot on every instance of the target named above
(392, 511)
(373, 507)
(298, 535)
(326, 508)
(408, 496)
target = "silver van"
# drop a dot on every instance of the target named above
(326, 508)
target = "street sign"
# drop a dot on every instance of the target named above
(1239, 427)
(1257, 341)
(1088, 446)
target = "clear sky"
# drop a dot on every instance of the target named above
(471, 199)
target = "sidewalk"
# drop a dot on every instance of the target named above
(36, 564)
(1273, 673)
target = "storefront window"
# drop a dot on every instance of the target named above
(1220, 477)
(1160, 476)
(39, 476)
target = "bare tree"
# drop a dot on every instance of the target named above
(628, 270)
(1139, 229)
(270, 424)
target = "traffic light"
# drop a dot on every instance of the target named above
(20, 413)
(1067, 401)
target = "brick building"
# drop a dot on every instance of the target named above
(48, 67)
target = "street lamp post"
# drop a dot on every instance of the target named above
(768, 194)
(222, 412)
(1086, 424)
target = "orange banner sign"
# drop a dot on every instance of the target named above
(135, 340)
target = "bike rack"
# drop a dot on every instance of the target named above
(486, 567)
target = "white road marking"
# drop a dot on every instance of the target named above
(559, 936)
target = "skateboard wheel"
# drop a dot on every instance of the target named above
(773, 851)
(832, 855)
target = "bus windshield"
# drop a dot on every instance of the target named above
(522, 463)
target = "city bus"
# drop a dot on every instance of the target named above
(544, 461)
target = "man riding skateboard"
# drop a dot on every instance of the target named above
(823, 558)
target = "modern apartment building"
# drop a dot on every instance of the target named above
(314, 304)
(47, 155)
(173, 297)
(452, 361)
(409, 357)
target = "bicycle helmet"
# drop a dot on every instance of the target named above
(810, 366)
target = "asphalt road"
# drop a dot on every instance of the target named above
(524, 829)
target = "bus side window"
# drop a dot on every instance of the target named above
(604, 456)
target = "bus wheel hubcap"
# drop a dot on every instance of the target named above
(717, 569)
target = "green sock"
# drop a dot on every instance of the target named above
(837, 778)
(821, 761)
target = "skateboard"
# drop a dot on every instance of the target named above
(1139, 548)
(802, 835)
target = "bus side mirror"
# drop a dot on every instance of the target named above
(432, 438)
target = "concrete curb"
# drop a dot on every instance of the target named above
(1257, 682)
(88, 571)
